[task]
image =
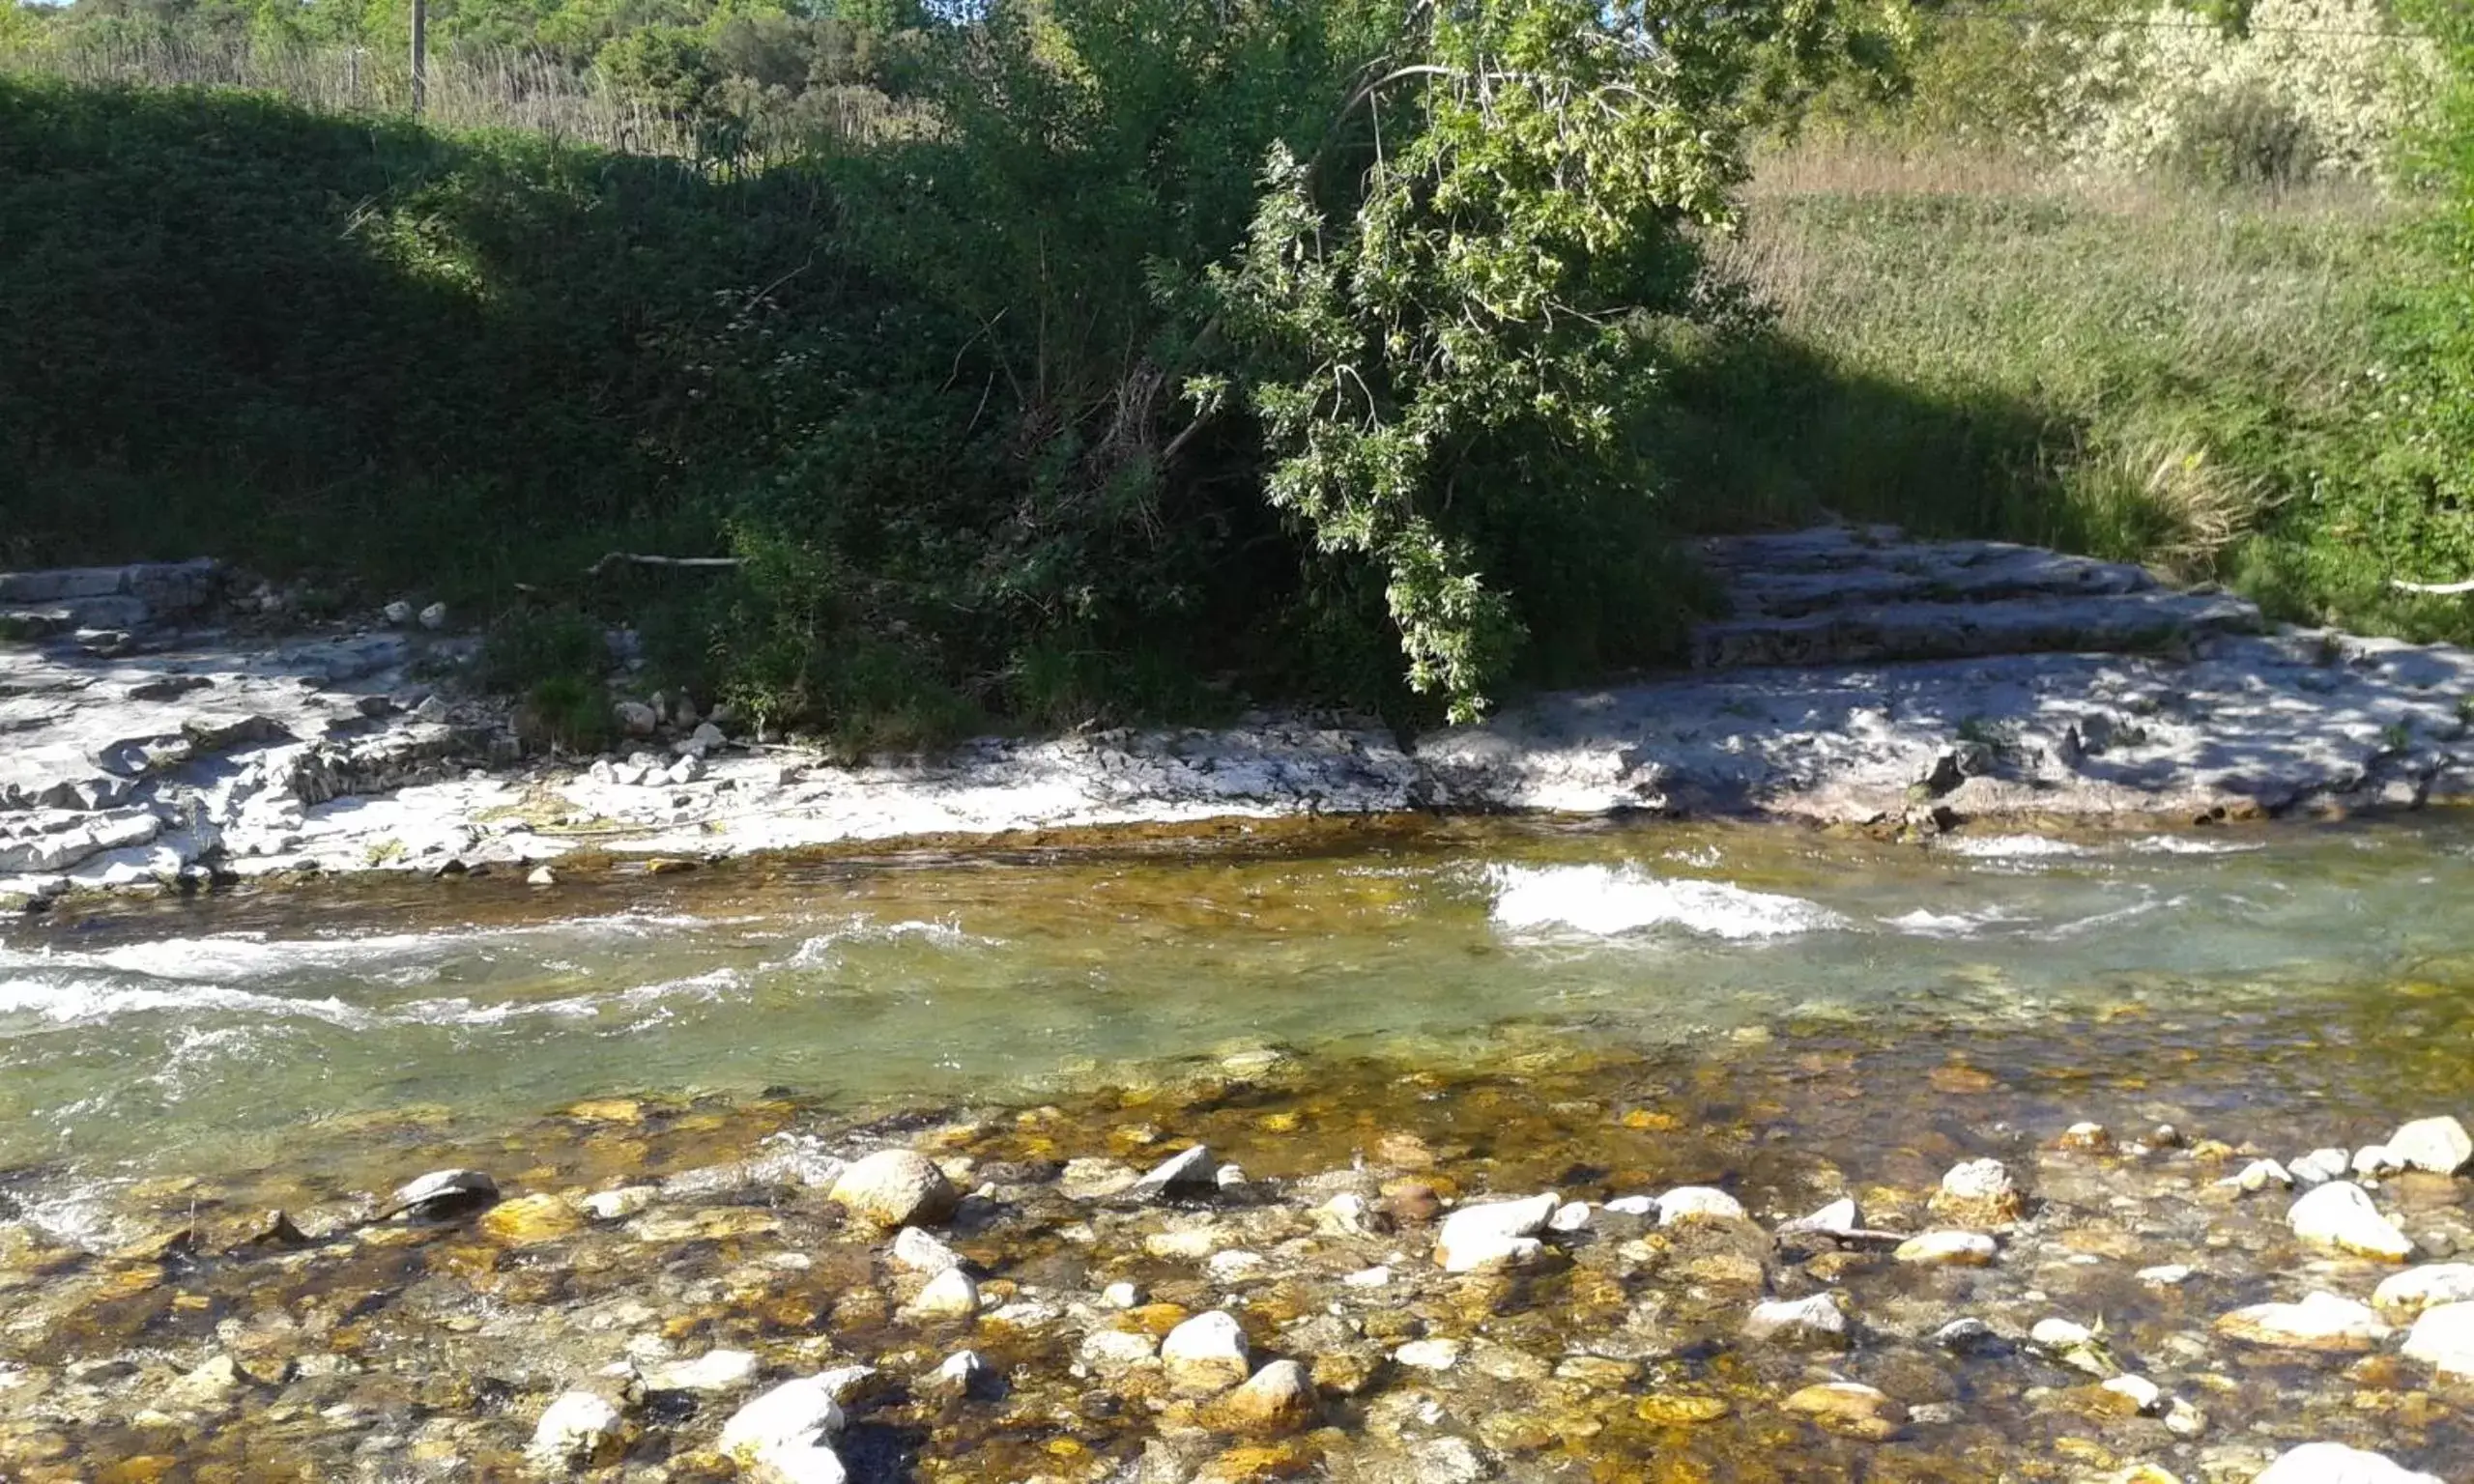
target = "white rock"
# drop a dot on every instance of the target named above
(1429, 1355)
(1815, 1320)
(1234, 1266)
(2417, 1289)
(1634, 1205)
(2164, 1274)
(1947, 1250)
(2333, 1463)
(619, 1204)
(2373, 1160)
(2321, 1321)
(1110, 1351)
(2439, 1145)
(2443, 1338)
(1345, 1214)
(1980, 1180)
(2320, 1166)
(541, 876)
(1189, 1172)
(921, 1252)
(1571, 1217)
(434, 616)
(895, 1187)
(398, 612)
(686, 770)
(1207, 1353)
(1836, 1218)
(2339, 1215)
(635, 718)
(1493, 1234)
(2259, 1175)
(950, 1294)
(715, 1370)
(1698, 1203)
(2145, 1394)
(1369, 1277)
(580, 1429)
(962, 1371)
(1121, 1296)
(789, 1430)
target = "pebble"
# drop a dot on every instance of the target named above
(1634, 1205)
(1850, 1408)
(2165, 1274)
(440, 1194)
(1207, 1353)
(1429, 1355)
(1277, 1399)
(1946, 1249)
(2145, 1396)
(580, 1430)
(1193, 1172)
(2320, 1166)
(1979, 1192)
(715, 1371)
(950, 1294)
(2416, 1289)
(398, 612)
(920, 1251)
(2321, 1321)
(1836, 1218)
(2373, 1161)
(2259, 1175)
(1813, 1323)
(2439, 1145)
(962, 1373)
(1494, 1234)
(1378, 1276)
(2443, 1338)
(2339, 1215)
(2334, 1462)
(1109, 1351)
(1571, 1217)
(896, 1187)
(1697, 1203)
(434, 616)
(1121, 1296)
(791, 1429)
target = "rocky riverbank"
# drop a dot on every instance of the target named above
(1784, 1258)
(1863, 680)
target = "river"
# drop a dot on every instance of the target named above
(1774, 997)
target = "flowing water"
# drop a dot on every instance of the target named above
(1767, 1002)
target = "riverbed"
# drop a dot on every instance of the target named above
(1419, 1015)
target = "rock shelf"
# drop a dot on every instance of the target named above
(1863, 680)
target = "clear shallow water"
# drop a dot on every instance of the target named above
(252, 1032)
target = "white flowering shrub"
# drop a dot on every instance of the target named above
(2308, 88)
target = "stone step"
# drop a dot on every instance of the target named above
(1940, 572)
(1873, 632)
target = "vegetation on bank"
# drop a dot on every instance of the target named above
(1115, 357)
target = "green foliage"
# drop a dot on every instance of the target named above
(526, 646)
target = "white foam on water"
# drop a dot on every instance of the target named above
(2008, 847)
(1926, 923)
(709, 986)
(73, 999)
(237, 957)
(826, 948)
(2184, 844)
(1607, 900)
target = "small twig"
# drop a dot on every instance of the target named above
(626, 559)
(2450, 589)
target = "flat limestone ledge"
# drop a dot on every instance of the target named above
(2248, 727)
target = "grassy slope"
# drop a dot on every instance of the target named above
(2194, 379)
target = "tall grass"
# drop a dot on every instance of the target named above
(1970, 342)
(467, 89)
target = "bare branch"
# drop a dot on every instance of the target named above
(629, 559)
(2449, 589)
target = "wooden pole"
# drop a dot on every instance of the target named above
(420, 55)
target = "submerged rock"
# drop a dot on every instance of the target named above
(1947, 1250)
(530, 1219)
(712, 1372)
(1816, 1322)
(1850, 1408)
(2321, 1321)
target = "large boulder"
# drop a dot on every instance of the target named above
(896, 1187)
